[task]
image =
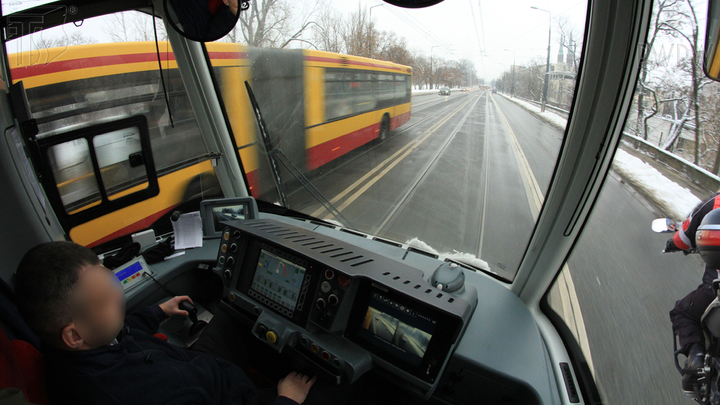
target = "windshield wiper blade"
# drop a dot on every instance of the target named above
(277, 155)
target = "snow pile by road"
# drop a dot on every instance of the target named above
(673, 199)
(549, 116)
(421, 92)
(466, 258)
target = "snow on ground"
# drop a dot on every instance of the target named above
(673, 199)
(421, 92)
(548, 115)
(466, 258)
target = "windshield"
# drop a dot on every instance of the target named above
(406, 124)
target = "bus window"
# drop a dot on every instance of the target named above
(107, 69)
(74, 175)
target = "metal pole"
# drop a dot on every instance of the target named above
(512, 87)
(547, 65)
(431, 66)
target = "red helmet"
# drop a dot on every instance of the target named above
(707, 239)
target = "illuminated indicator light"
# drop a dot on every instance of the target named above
(335, 149)
(314, 348)
(271, 336)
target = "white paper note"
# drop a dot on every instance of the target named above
(188, 231)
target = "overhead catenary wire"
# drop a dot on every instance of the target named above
(416, 25)
(481, 43)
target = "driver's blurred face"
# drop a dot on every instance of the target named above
(98, 306)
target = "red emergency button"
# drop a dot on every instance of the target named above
(343, 281)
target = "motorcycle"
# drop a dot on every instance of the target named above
(706, 392)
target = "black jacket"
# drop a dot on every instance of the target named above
(684, 238)
(142, 369)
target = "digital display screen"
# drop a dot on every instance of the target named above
(227, 213)
(134, 269)
(278, 279)
(397, 328)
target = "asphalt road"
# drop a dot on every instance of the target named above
(624, 285)
(450, 178)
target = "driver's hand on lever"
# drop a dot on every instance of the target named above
(171, 307)
(295, 386)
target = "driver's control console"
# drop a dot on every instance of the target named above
(343, 308)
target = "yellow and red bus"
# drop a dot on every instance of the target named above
(318, 106)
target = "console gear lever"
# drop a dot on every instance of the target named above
(197, 325)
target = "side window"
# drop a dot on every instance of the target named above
(364, 94)
(400, 88)
(107, 70)
(121, 162)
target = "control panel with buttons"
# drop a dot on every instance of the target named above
(343, 308)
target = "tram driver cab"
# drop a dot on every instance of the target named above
(166, 158)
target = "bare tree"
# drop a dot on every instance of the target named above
(328, 33)
(75, 38)
(265, 24)
(664, 17)
(688, 29)
(129, 26)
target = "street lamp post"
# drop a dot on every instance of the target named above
(370, 32)
(431, 65)
(512, 88)
(547, 65)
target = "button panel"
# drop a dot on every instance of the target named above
(227, 259)
(320, 352)
(328, 298)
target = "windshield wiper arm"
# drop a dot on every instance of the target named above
(277, 155)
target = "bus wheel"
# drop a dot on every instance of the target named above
(384, 128)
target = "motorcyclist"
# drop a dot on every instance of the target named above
(688, 311)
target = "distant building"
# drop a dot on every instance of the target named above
(561, 83)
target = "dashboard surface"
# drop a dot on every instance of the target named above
(362, 305)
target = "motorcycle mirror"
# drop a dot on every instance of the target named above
(664, 225)
(203, 20)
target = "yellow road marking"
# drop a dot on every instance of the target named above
(568, 296)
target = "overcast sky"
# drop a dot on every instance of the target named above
(454, 29)
(466, 28)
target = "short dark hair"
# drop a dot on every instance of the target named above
(44, 280)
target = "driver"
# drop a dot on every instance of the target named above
(688, 311)
(94, 354)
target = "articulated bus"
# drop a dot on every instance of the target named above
(330, 104)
